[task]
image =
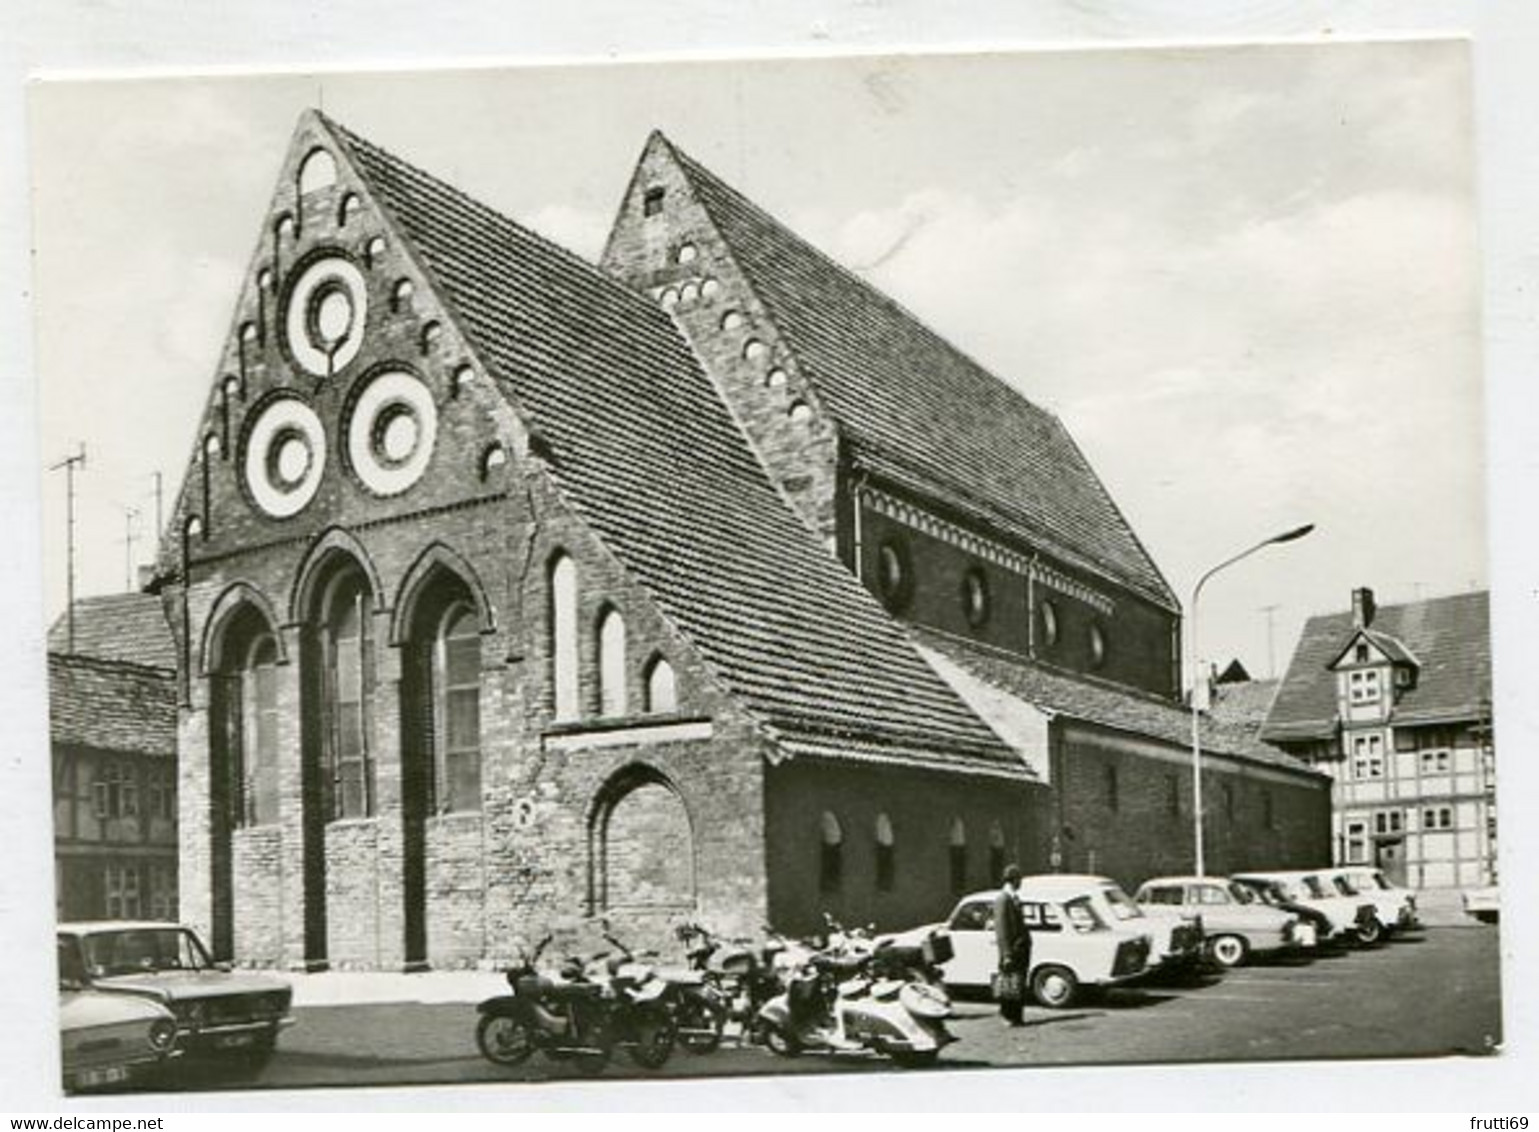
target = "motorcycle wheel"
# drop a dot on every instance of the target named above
(781, 1042)
(655, 1032)
(915, 1058)
(503, 1040)
(700, 1027)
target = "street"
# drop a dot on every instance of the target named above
(1432, 993)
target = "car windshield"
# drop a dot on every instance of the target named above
(1315, 888)
(1371, 880)
(1122, 906)
(133, 951)
(71, 969)
(1082, 914)
(1343, 886)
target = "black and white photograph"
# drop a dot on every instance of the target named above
(874, 563)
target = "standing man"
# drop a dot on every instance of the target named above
(1014, 942)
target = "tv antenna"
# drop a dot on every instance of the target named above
(69, 464)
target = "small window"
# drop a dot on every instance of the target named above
(611, 663)
(563, 636)
(975, 597)
(830, 855)
(1357, 843)
(1362, 654)
(776, 379)
(457, 710)
(347, 209)
(1109, 780)
(894, 574)
(710, 289)
(1367, 757)
(318, 171)
(431, 333)
(1097, 646)
(463, 376)
(687, 253)
(1172, 795)
(669, 298)
(886, 866)
(732, 320)
(400, 296)
(373, 251)
(493, 458)
(996, 853)
(689, 292)
(799, 412)
(652, 201)
(957, 856)
(662, 687)
(1364, 686)
(755, 350)
(1047, 613)
(265, 280)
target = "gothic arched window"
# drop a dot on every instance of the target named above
(457, 709)
(886, 866)
(347, 675)
(611, 663)
(563, 637)
(957, 856)
(662, 687)
(830, 855)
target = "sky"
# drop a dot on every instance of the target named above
(1245, 277)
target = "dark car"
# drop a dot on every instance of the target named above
(216, 1009)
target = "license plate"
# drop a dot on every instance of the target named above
(107, 1075)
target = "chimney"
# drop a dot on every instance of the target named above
(1362, 608)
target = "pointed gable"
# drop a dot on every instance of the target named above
(1449, 638)
(634, 435)
(918, 411)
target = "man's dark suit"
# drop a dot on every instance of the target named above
(1014, 941)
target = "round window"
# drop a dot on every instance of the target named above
(1049, 617)
(975, 597)
(390, 431)
(1097, 646)
(285, 452)
(326, 308)
(894, 576)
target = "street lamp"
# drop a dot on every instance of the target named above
(1286, 536)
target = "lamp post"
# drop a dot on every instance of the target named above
(1286, 536)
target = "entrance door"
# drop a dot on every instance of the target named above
(1390, 856)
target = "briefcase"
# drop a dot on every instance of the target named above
(1009, 986)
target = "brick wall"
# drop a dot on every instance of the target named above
(732, 333)
(921, 807)
(1141, 826)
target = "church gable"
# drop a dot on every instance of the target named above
(345, 393)
(665, 244)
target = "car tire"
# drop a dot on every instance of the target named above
(1228, 950)
(1053, 986)
(1369, 934)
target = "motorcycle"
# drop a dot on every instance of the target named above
(566, 1019)
(642, 1005)
(836, 1002)
(737, 982)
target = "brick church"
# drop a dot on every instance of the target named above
(509, 590)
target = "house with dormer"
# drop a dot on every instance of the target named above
(1395, 704)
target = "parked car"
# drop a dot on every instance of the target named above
(107, 1039)
(1236, 922)
(1484, 904)
(1079, 938)
(216, 1009)
(1396, 906)
(1311, 897)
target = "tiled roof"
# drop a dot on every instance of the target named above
(111, 705)
(1107, 705)
(647, 453)
(1243, 701)
(129, 627)
(907, 400)
(1450, 638)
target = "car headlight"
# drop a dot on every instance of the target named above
(162, 1035)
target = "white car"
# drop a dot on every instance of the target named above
(1484, 904)
(1396, 906)
(1080, 936)
(1310, 895)
(1236, 921)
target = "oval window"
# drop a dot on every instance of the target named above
(975, 597)
(894, 575)
(1097, 646)
(1049, 616)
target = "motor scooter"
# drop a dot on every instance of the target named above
(833, 1004)
(566, 1019)
(737, 980)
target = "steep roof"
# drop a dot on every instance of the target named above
(1243, 701)
(647, 453)
(130, 627)
(915, 408)
(1450, 638)
(1108, 705)
(111, 705)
